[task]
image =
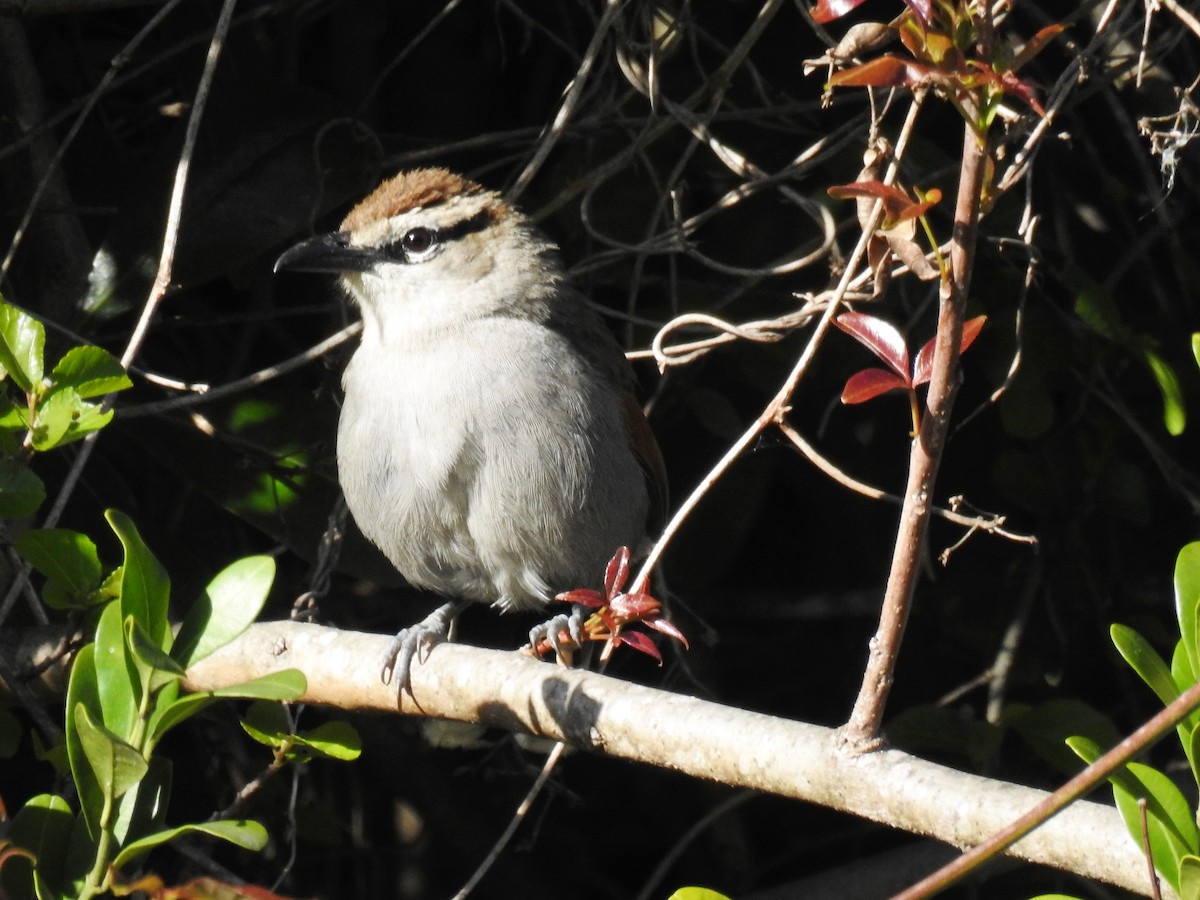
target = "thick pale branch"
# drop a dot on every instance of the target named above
(693, 736)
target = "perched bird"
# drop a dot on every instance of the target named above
(489, 441)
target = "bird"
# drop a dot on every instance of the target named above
(489, 441)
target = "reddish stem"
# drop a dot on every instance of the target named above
(862, 731)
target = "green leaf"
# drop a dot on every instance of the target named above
(1174, 410)
(117, 684)
(1169, 822)
(21, 492)
(335, 740)
(53, 419)
(1145, 660)
(145, 587)
(1047, 726)
(244, 833)
(116, 764)
(267, 723)
(1189, 878)
(230, 603)
(1196, 347)
(154, 667)
(69, 561)
(86, 418)
(143, 809)
(83, 691)
(169, 712)
(286, 684)
(43, 827)
(1187, 600)
(22, 338)
(697, 893)
(91, 371)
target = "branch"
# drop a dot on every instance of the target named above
(696, 737)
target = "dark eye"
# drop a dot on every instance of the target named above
(418, 242)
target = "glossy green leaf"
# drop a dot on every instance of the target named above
(697, 893)
(1145, 660)
(69, 561)
(267, 723)
(242, 832)
(43, 827)
(21, 491)
(1170, 824)
(169, 712)
(91, 371)
(230, 603)
(117, 765)
(1189, 878)
(1187, 600)
(143, 809)
(286, 684)
(1174, 409)
(54, 417)
(1181, 672)
(22, 339)
(145, 587)
(335, 740)
(1169, 820)
(1196, 347)
(155, 668)
(117, 684)
(85, 418)
(83, 691)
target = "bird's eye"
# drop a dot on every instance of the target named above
(418, 242)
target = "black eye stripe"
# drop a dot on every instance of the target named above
(418, 241)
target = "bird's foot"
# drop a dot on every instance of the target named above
(414, 643)
(564, 633)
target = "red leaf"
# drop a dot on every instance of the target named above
(616, 571)
(923, 370)
(1036, 44)
(828, 10)
(878, 336)
(632, 606)
(888, 70)
(662, 626)
(582, 596)
(639, 642)
(869, 384)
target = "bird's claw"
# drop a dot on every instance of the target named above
(551, 632)
(414, 643)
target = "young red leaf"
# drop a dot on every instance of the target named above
(583, 597)
(1036, 45)
(884, 71)
(639, 642)
(893, 198)
(878, 336)
(662, 626)
(923, 370)
(827, 10)
(616, 571)
(633, 606)
(869, 384)
(914, 210)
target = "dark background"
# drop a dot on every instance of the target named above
(777, 576)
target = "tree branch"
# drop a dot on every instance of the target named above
(696, 737)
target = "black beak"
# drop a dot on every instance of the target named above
(328, 253)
